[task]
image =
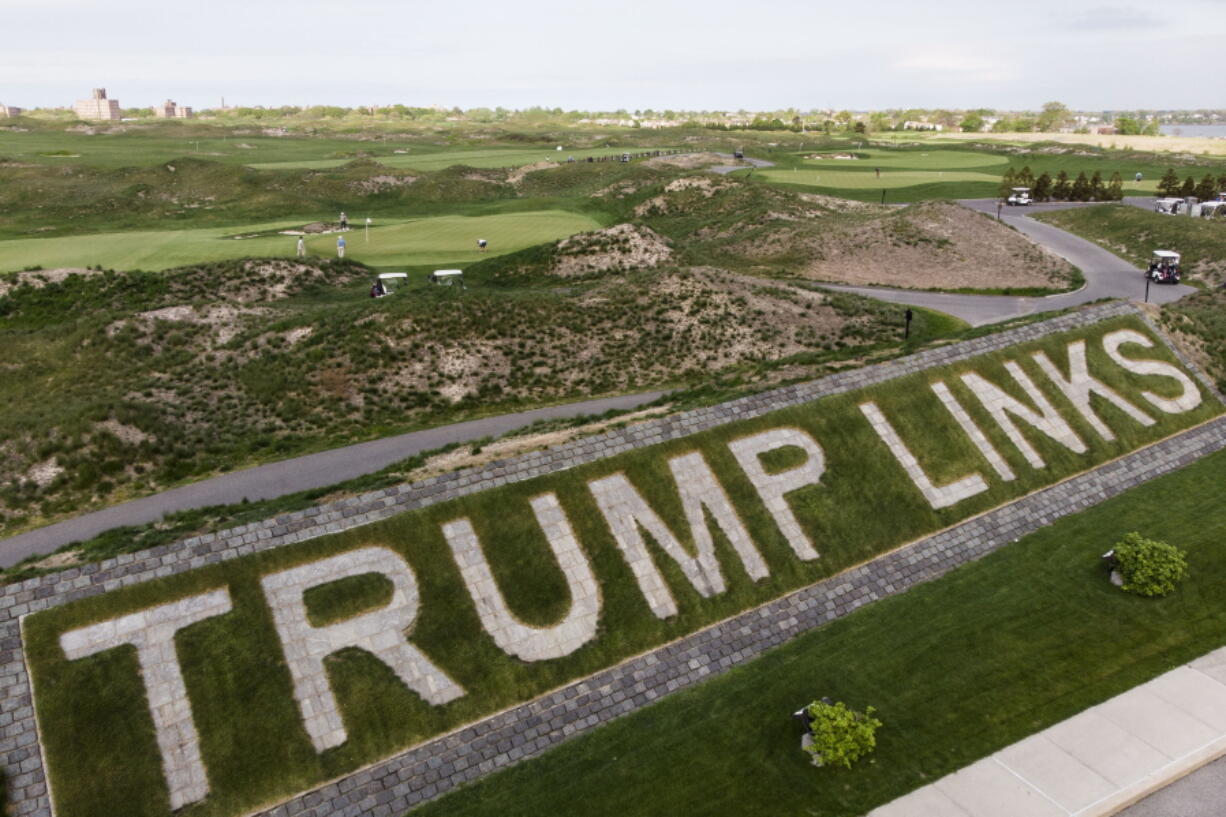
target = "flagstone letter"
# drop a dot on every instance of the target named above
(974, 432)
(1046, 420)
(628, 514)
(1080, 385)
(774, 488)
(938, 497)
(381, 633)
(152, 631)
(1188, 400)
(511, 635)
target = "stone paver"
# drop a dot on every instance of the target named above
(1099, 761)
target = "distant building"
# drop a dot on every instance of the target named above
(8, 110)
(97, 107)
(912, 124)
(172, 110)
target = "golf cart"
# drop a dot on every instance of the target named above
(1164, 267)
(739, 153)
(447, 277)
(1019, 197)
(1213, 209)
(625, 157)
(387, 283)
(1169, 206)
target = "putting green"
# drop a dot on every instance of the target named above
(822, 177)
(437, 240)
(492, 157)
(936, 160)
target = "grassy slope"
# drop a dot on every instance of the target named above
(440, 240)
(1135, 233)
(957, 668)
(1200, 323)
(300, 358)
(100, 746)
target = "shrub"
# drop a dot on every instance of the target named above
(1149, 567)
(841, 736)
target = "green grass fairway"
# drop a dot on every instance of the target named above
(957, 669)
(916, 174)
(438, 240)
(492, 157)
(855, 180)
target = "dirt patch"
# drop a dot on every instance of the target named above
(706, 186)
(225, 320)
(688, 161)
(380, 184)
(517, 175)
(935, 245)
(131, 435)
(619, 248)
(44, 473)
(39, 278)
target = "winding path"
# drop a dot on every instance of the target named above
(293, 475)
(1107, 275)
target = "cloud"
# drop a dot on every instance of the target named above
(957, 67)
(1115, 18)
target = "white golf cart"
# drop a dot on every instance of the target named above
(1020, 197)
(1213, 209)
(1164, 267)
(387, 283)
(447, 277)
(1169, 206)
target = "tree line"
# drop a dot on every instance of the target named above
(1062, 188)
(1206, 189)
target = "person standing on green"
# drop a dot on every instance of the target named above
(340, 247)
(301, 247)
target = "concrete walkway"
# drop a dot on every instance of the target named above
(1096, 763)
(1107, 275)
(298, 474)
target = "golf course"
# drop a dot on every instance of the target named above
(404, 242)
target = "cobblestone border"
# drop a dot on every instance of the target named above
(432, 768)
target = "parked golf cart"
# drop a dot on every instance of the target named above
(446, 277)
(387, 283)
(1213, 209)
(1164, 267)
(1168, 206)
(1020, 197)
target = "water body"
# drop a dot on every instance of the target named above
(1211, 131)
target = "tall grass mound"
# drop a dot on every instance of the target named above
(1198, 325)
(154, 378)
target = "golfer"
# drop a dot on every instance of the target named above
(481, 244)
(344, 221)
(301, 247)
(340, 247)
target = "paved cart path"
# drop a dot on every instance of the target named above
(1107, 275)
(293, 475)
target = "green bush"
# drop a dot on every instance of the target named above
(841, 736)
(1149, 567)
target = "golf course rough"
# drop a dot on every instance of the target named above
(265, 671)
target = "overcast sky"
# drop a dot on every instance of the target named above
(657, 54)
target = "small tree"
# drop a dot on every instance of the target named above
(1149, 567)
(1098, 190)
(841, 736)
(1081, 188)
(1007, 182)
(1169, 184)
(1061, 190)
(1115, 191)
(1026, 177)
(1043, 187)
(1221, 183)
(1206, 190)
(1189, 187)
